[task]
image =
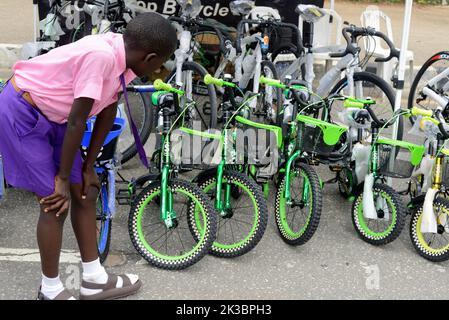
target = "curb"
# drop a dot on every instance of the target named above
(9, 54)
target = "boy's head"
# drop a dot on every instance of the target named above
(150, 40)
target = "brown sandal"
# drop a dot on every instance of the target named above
(110, 290)
(64, 295)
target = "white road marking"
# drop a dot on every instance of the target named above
(32, 255)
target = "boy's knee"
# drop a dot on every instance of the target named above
(91, 198)
(51, 215)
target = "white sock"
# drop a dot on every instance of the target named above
(51, 287)
(94, 272)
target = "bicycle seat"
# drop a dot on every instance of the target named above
(310, 13)
(241, 7)
(190, 8)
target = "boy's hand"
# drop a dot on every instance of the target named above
(90, 179)
(59, 201)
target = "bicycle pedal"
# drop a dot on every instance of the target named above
(124, 198)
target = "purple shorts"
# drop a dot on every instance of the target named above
(31, 146)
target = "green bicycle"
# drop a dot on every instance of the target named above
(378, 213)
(158, 221)
(299, 196)
(238, 200)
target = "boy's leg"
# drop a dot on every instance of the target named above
(49, 239)
(83, 216)
(97, 283)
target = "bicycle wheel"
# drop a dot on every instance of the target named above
(432, 246)
(375, 88)
(391, 214)
(104, 221)
(204, 111)
(175, 248)
(142, 114)
(434, 66)
(242, 226)
(306, 203)
(347, 183)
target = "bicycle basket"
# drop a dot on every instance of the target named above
(398, 159)
(317, 136)
(284, 40)
(107, 152)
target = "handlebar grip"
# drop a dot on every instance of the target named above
(209, 80)
(272, 82)
(349, 103)
(394, 53)
(162, 86)
(421, 112)
(338, 55)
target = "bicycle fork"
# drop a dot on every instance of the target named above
(168, 215)
(306, 183)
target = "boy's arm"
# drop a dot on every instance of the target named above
(76, 126)
(103, 125)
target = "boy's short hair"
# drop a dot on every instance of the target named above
(151, 32)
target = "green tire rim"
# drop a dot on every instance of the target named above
(234, 246)
(199, 244)
(363, 225)
(422, 241)
(282, 212)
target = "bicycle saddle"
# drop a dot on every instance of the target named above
(190, 8)
(241, 7)
(310, 13)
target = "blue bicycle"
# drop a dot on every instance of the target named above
(105, 167)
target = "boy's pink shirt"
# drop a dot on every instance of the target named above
(90, 68)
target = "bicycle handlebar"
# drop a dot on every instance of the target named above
(272, 82)
(160, 85)
(434, 116)
(366, 105)
(241, 25)
(209, 80)
(355, 32)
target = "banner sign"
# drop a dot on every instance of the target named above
(219, 9)
(216, 9)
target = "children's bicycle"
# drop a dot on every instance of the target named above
(429, 224)
(238, 200)
(378, 213)
(299, 189)
(159, 217)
